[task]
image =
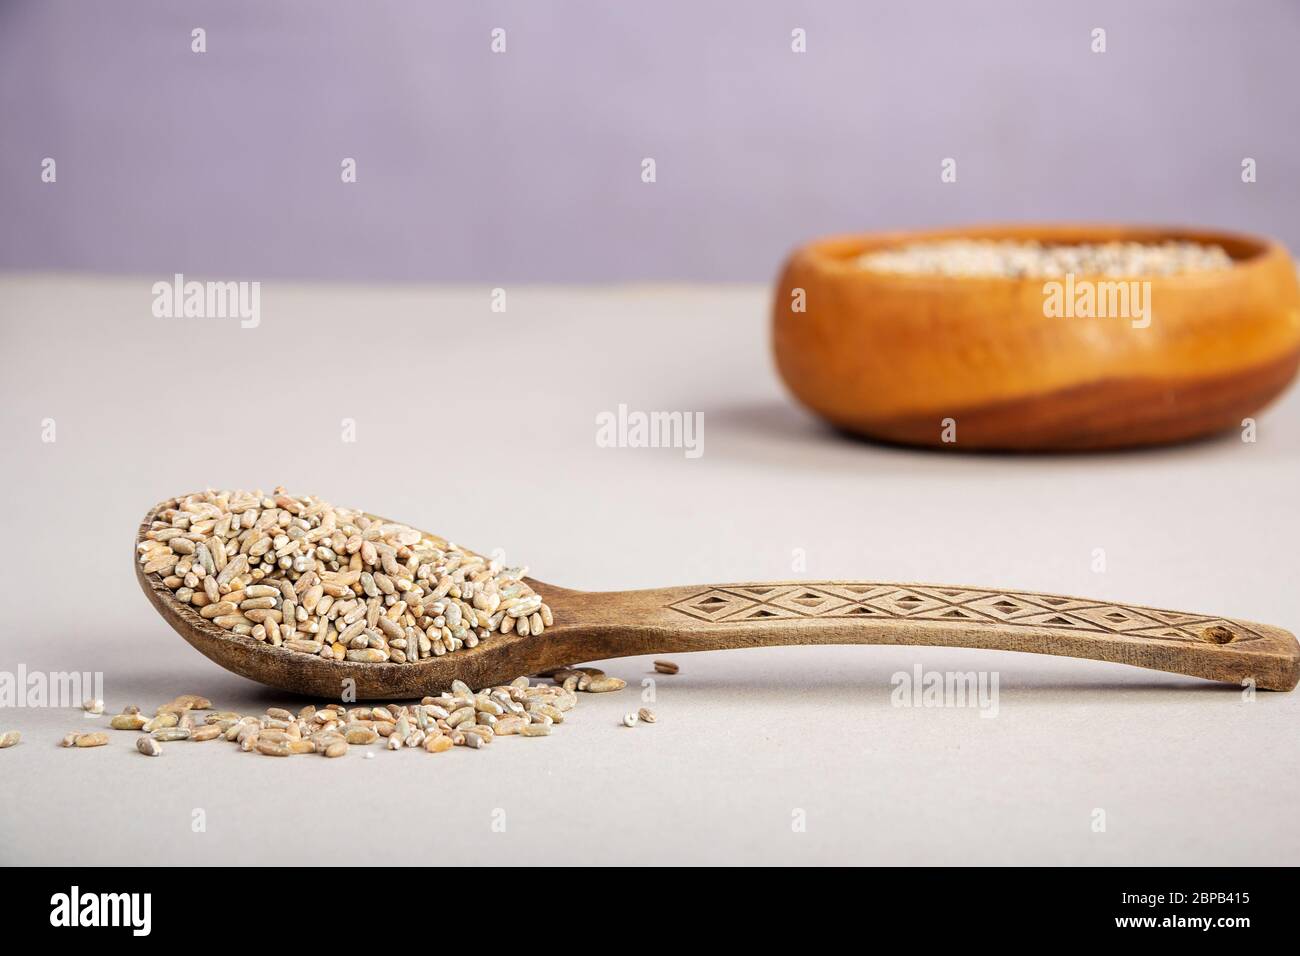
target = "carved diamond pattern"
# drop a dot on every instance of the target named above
(834, 599)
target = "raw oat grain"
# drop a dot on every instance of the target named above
(988, 258)
(299, 573)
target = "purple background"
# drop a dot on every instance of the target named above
(526, 166)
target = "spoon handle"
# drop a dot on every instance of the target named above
(622, 623)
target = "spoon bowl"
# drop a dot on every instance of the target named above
(593, 626)
(496, 661)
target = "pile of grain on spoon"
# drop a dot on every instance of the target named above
(303, 574)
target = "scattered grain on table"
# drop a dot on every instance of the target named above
(459, 717)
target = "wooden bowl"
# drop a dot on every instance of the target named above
(892, 356)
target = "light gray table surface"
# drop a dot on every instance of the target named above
(748, 742)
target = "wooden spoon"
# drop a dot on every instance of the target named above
(593, 626)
